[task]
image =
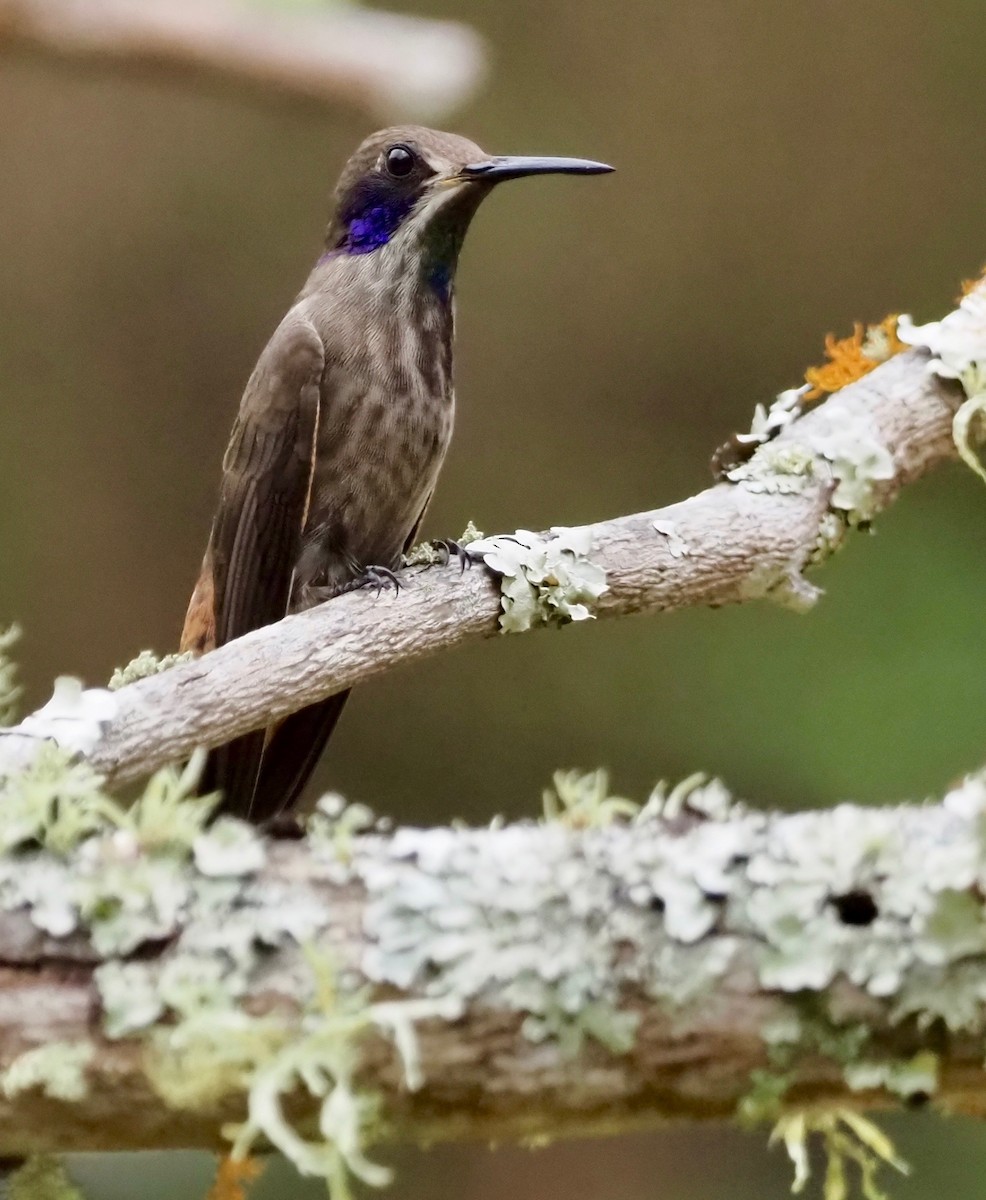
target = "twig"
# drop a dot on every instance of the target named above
(389, 65)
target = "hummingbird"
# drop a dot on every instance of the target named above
(343, 426)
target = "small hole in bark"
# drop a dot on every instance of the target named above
(856, 908)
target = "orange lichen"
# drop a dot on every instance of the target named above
(851, 358)
(234, 1177)
(970, 285)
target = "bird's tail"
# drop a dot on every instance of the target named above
(262, 774)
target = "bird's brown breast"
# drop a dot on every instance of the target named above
(386, 417)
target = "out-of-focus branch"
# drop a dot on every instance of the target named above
(390, 65)
(536, 979)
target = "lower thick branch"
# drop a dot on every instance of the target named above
(536, 979)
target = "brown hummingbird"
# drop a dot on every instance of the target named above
(343, 426)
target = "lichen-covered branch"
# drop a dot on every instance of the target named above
(386, 64)
(592, 974)
(750, 537)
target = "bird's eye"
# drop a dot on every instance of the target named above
(400, 161)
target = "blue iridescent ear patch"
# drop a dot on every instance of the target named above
(373, 215)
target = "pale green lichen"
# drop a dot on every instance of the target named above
(969, 423)
(146, 663)
(860, 462)
(129, 997)
(54, 802)
(428, 554)
(803, 902)
(768, 422)
(847, 1140)
(450, 932)
(832, 529)
(582, 801)
(169, 815)
(74, 718)
(783, 468)
(332, 826)
(543, 580)
(157, 872)
(805, 1027)
(87, 862)
(699, 795)
(214, 1049)
(42, 1177)
(229, 848)
(528, 924)
(880, 342)
(957, 345)
(677, 546)
(911, 1078)
(57, 1069)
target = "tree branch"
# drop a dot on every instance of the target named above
(570, 981)
(735, 542)
(386, 64)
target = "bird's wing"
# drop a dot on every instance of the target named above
(199, 631)
(267, 476)
(412, 537)
(256, 535)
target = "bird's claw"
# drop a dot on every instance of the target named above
(453, 549)
(380, 578)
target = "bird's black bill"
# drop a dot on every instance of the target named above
(494, 170)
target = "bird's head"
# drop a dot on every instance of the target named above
(419, 188)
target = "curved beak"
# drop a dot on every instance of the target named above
(510, 166)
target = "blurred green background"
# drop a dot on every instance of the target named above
(784, 168)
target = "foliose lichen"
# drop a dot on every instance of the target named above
(677, 546)
(915, 1077)
(57, 1069)
(781, 468)
(957, 345)
(543, 580)
(74, 717)
(860, 462)
(146, 663)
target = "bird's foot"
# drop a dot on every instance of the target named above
(373, 577)
(448, 549)
(285, 827)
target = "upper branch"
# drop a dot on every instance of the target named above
(377, 61)
(731, 543)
